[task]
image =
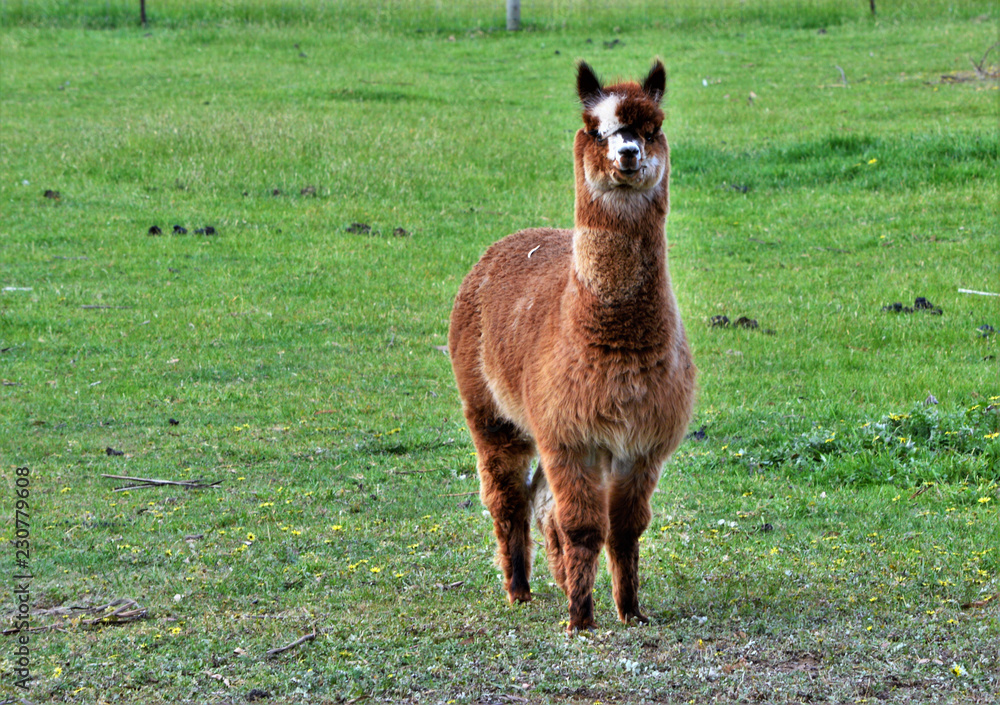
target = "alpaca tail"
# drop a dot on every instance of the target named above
(540, 497)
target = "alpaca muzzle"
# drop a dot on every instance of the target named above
(628, 158)
(624, 152)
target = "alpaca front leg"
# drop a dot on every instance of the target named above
(511, 525)
(580, 523)
(505, 494)
(581, 549)
(628, 517)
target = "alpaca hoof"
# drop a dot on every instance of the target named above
(586, 625)
(519, 596)
(633, 616)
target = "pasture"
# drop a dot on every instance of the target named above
(828, 532)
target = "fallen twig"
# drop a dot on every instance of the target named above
(980, 603)
(267, 616)
(289, 647)
(980, 293)
(981, 70)
(189, 486)
(57, 627)
(151, 482)
(18, 701)
(444, 587)
(128, 610)
(458, 494)
(843, 76)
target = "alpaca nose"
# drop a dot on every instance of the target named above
(628, 157)
(628, 151)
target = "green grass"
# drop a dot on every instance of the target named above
(831, 537)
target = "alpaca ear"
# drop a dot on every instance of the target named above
(588, 85)
(655, 84)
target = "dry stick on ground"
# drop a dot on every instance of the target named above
(289, 647)
(20, 701)
(128, 611)
(449, 586)
(980, 293)
(57, 627)
(980, 603)
(459, 494)
(150, 482)
(980, 67)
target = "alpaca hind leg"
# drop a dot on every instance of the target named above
(543, 506)
(628, 517)
(503, 457)
(554, 552)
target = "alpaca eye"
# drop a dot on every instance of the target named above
(652, 135)
(595, 134)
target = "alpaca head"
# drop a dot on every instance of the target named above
(621, 147)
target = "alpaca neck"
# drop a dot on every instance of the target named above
(619, 289)
(619, 247)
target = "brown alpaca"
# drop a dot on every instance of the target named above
(567, 344)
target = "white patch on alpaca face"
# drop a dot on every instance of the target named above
(609, 127)
(606, 113)
(617, 142)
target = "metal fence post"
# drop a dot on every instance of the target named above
(513, 15)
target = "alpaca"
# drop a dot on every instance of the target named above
(568, 345)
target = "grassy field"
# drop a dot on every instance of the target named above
(827, 535)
